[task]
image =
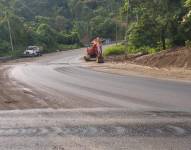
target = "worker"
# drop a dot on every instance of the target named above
(94, 46)
(99, 46)
(100, 58)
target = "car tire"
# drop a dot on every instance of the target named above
(27, 54)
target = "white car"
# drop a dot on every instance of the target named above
(32, 51)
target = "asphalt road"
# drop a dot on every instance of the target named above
(95, 110)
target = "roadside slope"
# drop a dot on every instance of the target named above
(176, 57)
(172, 64)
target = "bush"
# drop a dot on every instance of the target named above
(115, 50)
(68, 47)
(152, 50)
(139, 36)
(122, 49)
(134, 50)
(4, 45)
(46, 36)
(68, 39)
(188, 44)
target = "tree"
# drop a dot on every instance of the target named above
(53, 22)
(156, 21)
(46, 35)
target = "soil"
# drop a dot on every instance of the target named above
(172, 64)
(17, 96)
(176, 57)
(13, 97)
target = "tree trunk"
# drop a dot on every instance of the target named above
(163, 39)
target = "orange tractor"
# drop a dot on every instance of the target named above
(94, 53)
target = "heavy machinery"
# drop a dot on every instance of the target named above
(93, 54)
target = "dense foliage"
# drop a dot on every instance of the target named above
(115, 50)
(54, 24)
(149, 25)
(157, 24)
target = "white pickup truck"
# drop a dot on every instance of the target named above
(32, 51)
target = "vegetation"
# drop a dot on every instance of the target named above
(155, 25)
(57, 24)
(145, 25)
(115, 50)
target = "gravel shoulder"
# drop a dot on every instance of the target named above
(17, 96)
(128, 68)
(171, 64)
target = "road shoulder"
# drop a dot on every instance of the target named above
(128, 68)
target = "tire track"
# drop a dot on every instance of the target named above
(163, 130)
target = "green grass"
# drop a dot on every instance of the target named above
(122, 49)
(15, 53)
(115, 50)
(2, 54)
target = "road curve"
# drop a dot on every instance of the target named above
(64, 79)
(85, 109)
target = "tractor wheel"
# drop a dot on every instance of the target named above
(100, 59)
(87, 58)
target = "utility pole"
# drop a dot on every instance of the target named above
(116, 34)
(10, 35)
(128, 12)
(127, 19)
(116, 29)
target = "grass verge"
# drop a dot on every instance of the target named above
(123, 49)
(115, 50)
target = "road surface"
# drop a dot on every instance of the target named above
(78, 108)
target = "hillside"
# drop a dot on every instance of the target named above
(56, 23)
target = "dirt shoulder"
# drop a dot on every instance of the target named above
(179, 57)
(13, 95)
(172, 64)
(128, 68)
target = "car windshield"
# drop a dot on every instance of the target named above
(32, 48)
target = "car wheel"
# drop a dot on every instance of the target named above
(27, 54)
